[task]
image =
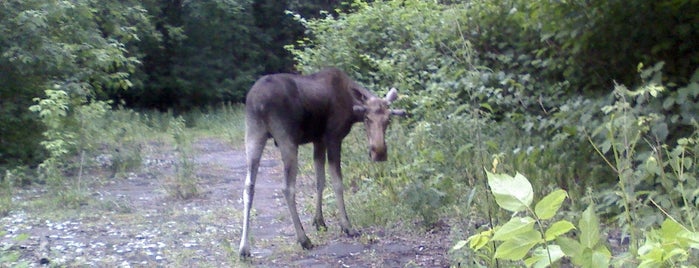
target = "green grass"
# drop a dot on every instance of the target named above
(226, 121)
(6, 204)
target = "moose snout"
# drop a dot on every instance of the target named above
(378, 154)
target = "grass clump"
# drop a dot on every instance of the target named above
(183, 184)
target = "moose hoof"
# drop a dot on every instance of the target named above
(306, 243)
(320, 224)
(351, 232)
(244, 253)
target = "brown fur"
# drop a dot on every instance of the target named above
(319, 108)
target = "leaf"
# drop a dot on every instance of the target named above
(511, 193)
(675, 252)
(652, 166)
(541, 255)
(487, 106)
(557, 229)
(692, 238)
(516, 248)
(532, 260)
(512, 228)
(668, 102)
(650, 264)
(670, 229)
(479, 240)
(570, 247)
(660, 130)
(589, 228)
(459, 245)
(549, 205)
(601, 257)
(585, 258)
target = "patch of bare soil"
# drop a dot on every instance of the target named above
(134, 223)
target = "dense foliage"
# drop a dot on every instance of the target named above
(69, 46)
(142, 53)
(534, 87)
(206, 52)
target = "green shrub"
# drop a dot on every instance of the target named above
(514, 240)
(59, 138)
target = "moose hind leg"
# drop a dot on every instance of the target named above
(319, 157)
(290, 158)
(254, 145)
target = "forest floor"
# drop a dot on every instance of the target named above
(132, 221)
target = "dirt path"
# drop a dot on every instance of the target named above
(135, 223)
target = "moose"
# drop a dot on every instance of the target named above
(319, 108)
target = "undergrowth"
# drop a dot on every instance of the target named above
(96, 143)
(642, 186)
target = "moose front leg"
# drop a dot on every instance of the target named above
(319, 157)
(336, 173)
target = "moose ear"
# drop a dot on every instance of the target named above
(391, 95)
(359, 111)
(358, 94)
(399, 112)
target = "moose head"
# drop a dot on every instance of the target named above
(376, 115)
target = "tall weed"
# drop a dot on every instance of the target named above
(676, 171)
(656, 182)
(124, 139)
(183, 184)
(622, 134)
(6, 190)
